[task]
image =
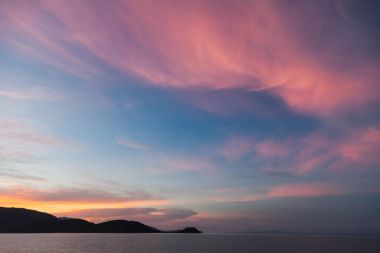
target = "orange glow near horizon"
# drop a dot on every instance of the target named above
(63, 206)
(8, 200)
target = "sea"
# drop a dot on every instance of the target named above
(185, 243)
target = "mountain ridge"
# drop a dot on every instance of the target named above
(22, 220)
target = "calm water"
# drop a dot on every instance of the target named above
(183, 243)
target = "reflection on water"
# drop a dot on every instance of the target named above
(183, 243)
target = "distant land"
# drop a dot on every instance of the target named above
(20, 220)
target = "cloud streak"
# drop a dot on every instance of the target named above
(131, 144)
(19, 175)
(305, 190)
(36, 93)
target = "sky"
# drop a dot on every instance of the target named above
(231, 116)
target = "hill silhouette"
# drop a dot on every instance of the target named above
(123, 226)
(20, 220)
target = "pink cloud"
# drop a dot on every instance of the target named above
(358, 148)
(311, 189)
(314, 151)
(196, 44)
(34, 33)
(305, 190)
(362, 147)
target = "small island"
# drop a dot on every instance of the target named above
(20, 220)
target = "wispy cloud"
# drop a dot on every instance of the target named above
(36, 93)
(304, 155)
(21, 139)
(23, 133)
(131, 144)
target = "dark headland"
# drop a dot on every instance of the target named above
(20, 220)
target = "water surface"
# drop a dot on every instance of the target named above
(184, 243)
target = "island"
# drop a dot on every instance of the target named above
(21, 220)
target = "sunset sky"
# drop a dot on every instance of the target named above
(232, 116)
